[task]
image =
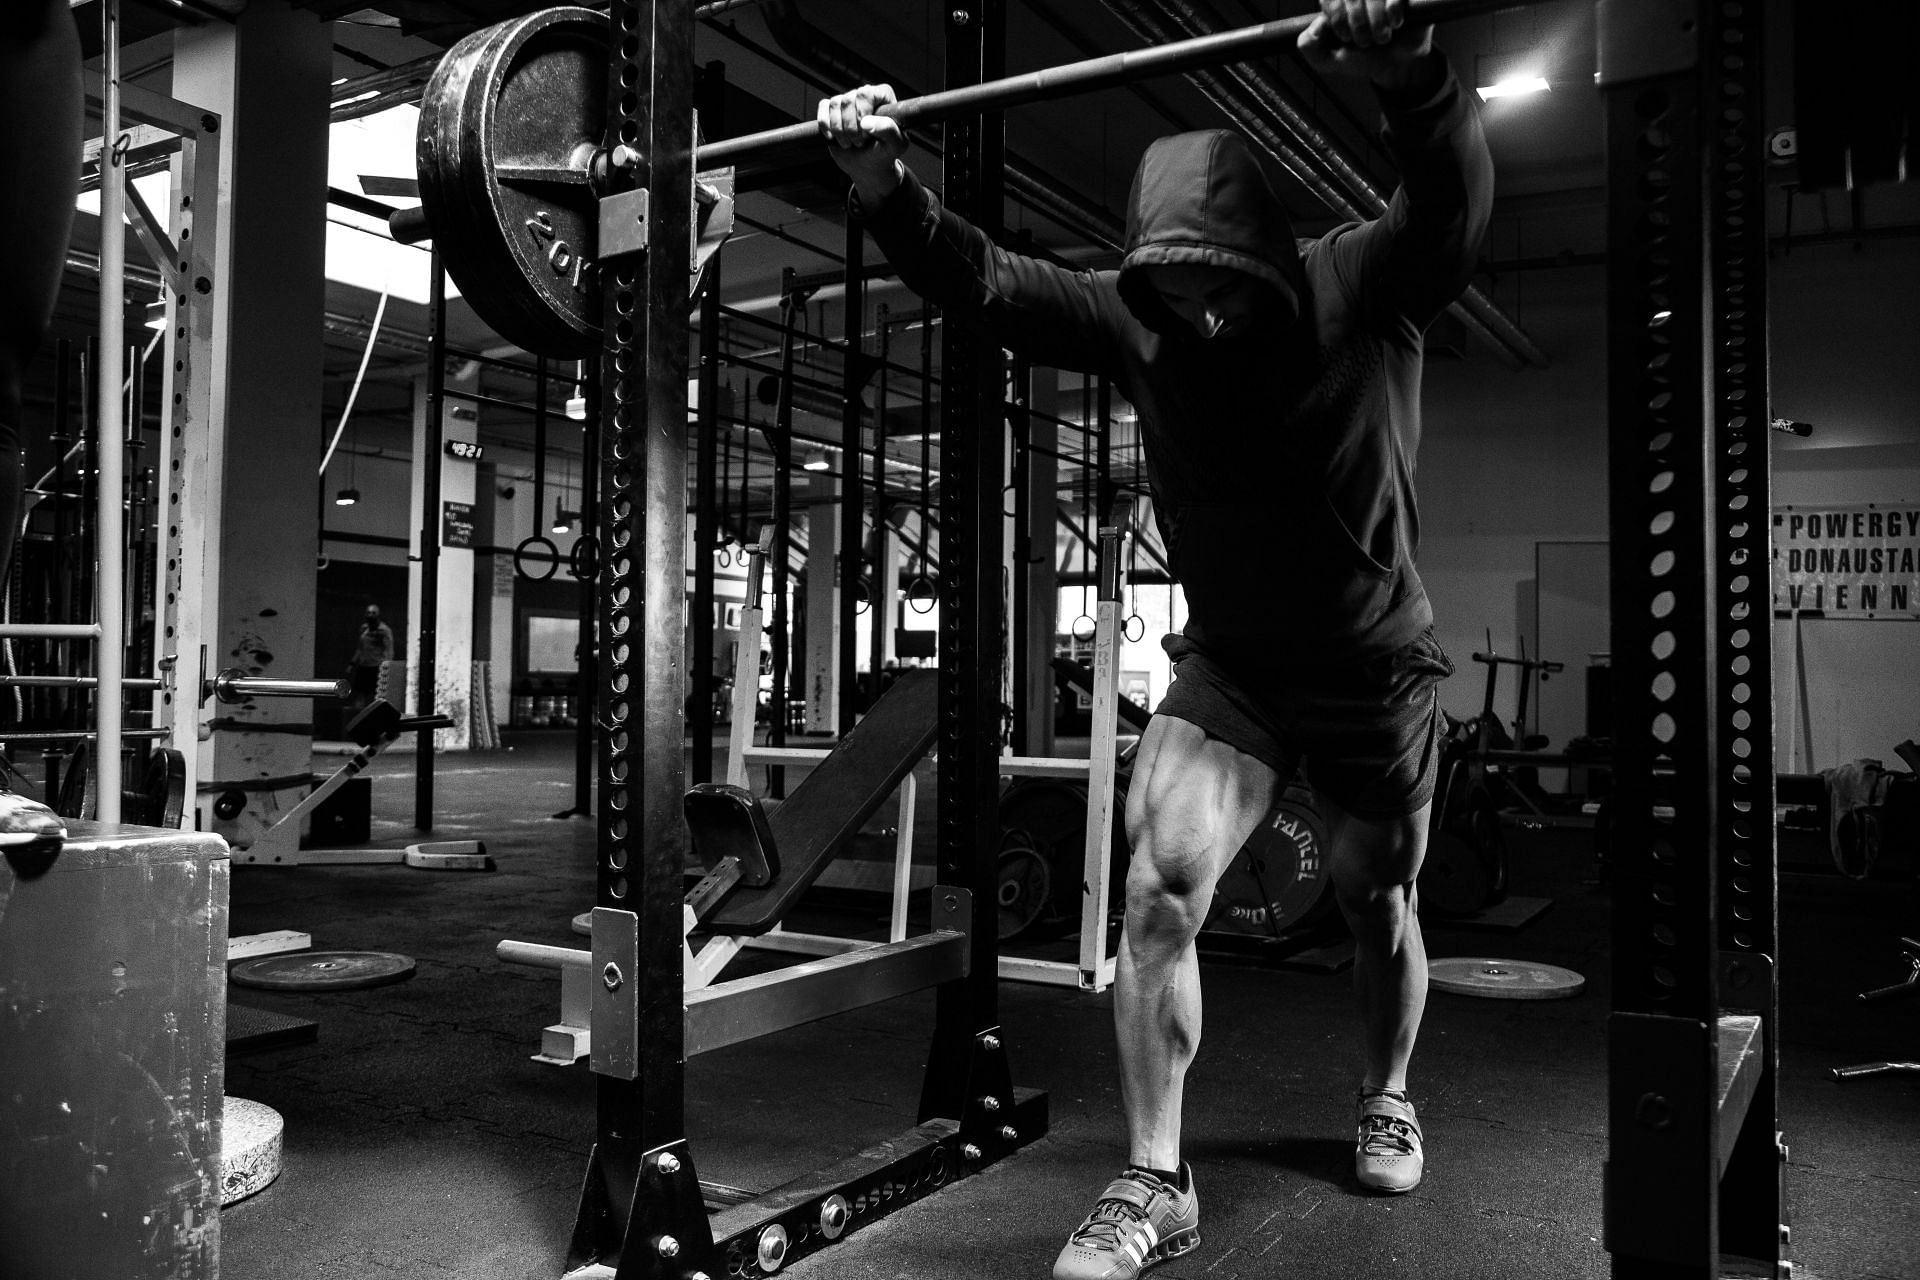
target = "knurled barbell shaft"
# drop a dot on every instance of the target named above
(231, 686)
(1068, 79)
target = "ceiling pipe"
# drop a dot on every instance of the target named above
(1259, 101)
(811, 47)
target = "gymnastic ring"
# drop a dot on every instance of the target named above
(1009, 514)
(724, 554)
(552, 562)
(862, 595)
(931, 598)
(583, 561)
(1092, 627)
(1130, 632)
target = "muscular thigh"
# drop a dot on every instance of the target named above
(1191, 804)
(1368, 855)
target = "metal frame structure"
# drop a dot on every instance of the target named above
(1695, 1158)
(1694, 1155)
(183, 242)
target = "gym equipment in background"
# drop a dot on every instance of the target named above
(376, 728)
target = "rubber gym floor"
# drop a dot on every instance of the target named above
(422, 1140)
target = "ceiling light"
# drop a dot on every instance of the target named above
(577, 408)
(563, 519)
(346, 497)
(1510, 75)
(816, 461)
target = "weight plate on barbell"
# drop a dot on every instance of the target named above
(510, 124)
(322, 970)
(1279, 881)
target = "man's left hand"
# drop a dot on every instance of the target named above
(1368, 38)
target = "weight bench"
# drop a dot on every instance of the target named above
(759, 863)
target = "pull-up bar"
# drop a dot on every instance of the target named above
(1072, 78)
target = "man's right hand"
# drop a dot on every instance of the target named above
(865, 145)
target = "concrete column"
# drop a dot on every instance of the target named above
(267, 74)
(454, 622)
(822, 668)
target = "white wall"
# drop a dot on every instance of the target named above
(1509, 459)
(1513, 459)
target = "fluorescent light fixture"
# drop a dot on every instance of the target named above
(1514, 87)
(1510, 75)
(346, 497)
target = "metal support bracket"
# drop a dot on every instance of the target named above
(616, 971)
(623, 224)
(1661, 1165)
(152, 233)
(643, 1218)
(1644, 40)
(1746, 981)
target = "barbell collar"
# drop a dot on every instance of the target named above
(409, 226)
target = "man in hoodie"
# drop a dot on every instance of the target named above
(1277, 383)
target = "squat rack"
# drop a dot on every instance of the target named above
(1695, 1159)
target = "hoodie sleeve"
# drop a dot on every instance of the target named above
(1417, 257)
(1048, 314)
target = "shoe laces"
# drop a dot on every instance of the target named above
(1109, 1223)
(1387, 1136)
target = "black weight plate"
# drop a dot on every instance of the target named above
(1279, 881)
(1023, 888)
(166, 788)
(76, 799)
(1053, 814)
(322, 970)
(509, 124)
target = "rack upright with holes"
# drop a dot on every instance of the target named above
(1695, 1157)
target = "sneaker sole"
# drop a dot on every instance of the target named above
(1176, 1245)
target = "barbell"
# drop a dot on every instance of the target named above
(518, 189)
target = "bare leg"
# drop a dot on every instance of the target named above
(1192, 803)
(1374, 863)
(40, 98)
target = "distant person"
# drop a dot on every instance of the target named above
(372, 651)
(40, 99)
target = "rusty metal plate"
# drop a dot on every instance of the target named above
(509, 133)
(512, 171)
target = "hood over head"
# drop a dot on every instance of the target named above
(1201, 199)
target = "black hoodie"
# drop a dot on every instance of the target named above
(1280, 458)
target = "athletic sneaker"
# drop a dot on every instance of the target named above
(1138, 1221)
(24, 821)
(1388, 1155)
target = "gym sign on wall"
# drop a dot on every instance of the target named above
(517, 192)
(1856, 561)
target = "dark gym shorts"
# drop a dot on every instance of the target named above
(1367, 732)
